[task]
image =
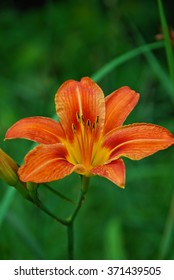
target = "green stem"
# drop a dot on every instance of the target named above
(69, 223)
(58, 193)
(70, 226)
(47, 211)
(72, 218)
(85, 184)
(70, 241)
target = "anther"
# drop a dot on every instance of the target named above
(88, 123)
(73, 128)
(93, 126)
(97, 120)
(83, 120)
(78, 116)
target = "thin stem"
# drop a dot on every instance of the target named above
(58, 193)
(85, 184)
(70, 241)
(72, 218)
(69, 223)
(70, 226)
(47, 211)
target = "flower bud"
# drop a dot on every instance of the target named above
(8, 173)
(8, 169)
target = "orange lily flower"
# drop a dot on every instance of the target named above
(90, 138)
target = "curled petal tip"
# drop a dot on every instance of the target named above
(122, 186)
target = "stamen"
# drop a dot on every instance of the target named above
(78, 116)
(88, 123)
(73, 128)
(93, 126)
(83, 120)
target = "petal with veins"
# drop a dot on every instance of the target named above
(46, 163)
(119, 105)
(80, 102)
(137, 141)
(114, 171)
(39, 129)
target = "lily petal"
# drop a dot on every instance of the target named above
(114, 171)
(119, 104)
(46, 163)
(39, 129)
(137, 141)
(78, 102)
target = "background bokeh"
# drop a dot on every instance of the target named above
(42, 46)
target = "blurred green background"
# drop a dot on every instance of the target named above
(42, 46)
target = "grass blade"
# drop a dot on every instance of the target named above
(156, 66)
(123, 58)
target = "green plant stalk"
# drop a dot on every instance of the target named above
(58, 193)
(70, 233)
(69, 223)
(49, 213)
(70, 226)
(167, 42)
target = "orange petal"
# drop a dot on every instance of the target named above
(137, 141)
(114, 171)
(46, 163)
(76, 99)
(119, 104)
(40, 129)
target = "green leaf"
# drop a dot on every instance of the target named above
(156, 66)
(106, 69)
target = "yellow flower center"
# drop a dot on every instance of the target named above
(86, 147)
